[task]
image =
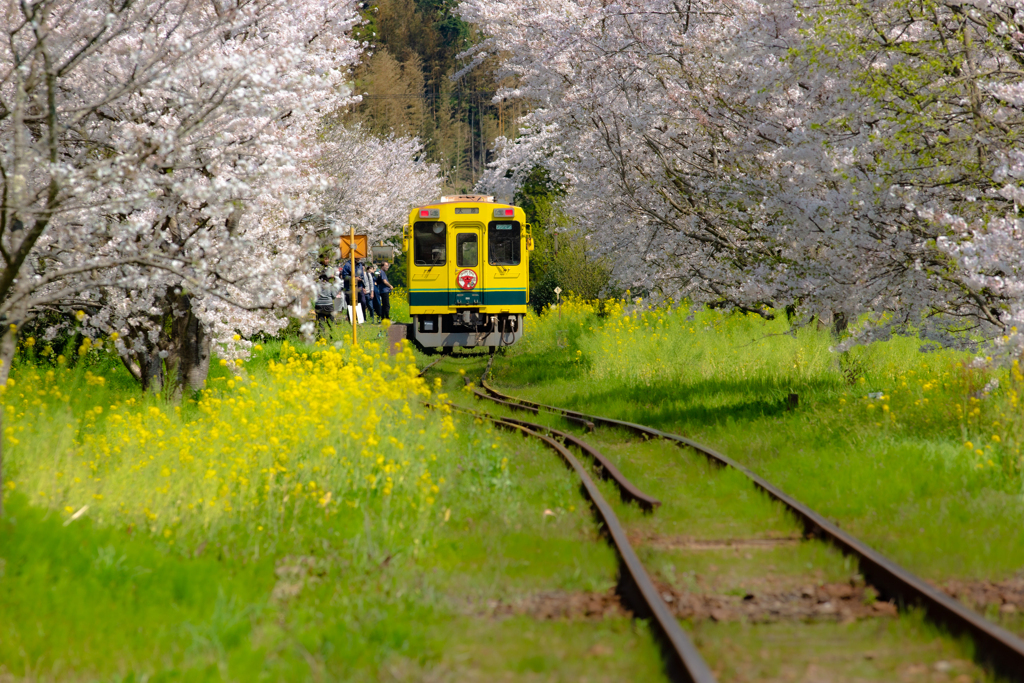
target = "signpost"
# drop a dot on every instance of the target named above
(558, 295)
(382, 252)
(354, 247)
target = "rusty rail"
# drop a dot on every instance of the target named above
(430, 365)
(995, 646)
(607, 469)
(635, 586)
(586, 424)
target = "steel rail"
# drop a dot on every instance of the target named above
(586, 424)
(509, 404)
(432, 364)
(635, 585)
(627, 489)
(995, 646)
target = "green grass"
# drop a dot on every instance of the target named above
(895, 471)
(884, 650)
(370, 591)
(381, 590)
(701, 501)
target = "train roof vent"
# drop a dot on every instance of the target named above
(468, 198)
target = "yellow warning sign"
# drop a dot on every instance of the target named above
(361, 243)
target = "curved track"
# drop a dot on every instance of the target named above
(995, 646)
(430, 365)
(635, 586)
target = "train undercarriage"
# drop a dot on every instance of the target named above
(465, 327)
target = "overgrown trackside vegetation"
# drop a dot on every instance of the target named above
(305, 517)
(731, 564)
(918, 453)
(256, 451)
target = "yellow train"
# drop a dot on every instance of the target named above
(469, 272)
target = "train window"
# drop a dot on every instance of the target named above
(429, 240)
(466, 249)
(503, 243)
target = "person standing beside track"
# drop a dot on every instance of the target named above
(384, 290)
(346, 278)
(375, 296)
(324, 305)
(368, 290)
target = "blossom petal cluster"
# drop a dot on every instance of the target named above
(842, 157)
(166, 165)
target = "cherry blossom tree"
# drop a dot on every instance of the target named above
(161, 149)
(851, 157)
(373, 182)
(140, 142)
(164, 163)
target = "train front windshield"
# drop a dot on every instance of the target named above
(503, 243)
(428, 243)
(466, 246)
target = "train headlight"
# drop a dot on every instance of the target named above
(504, 213)
(430, 213)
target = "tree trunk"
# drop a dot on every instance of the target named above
(183, 342)
(146, 367)
(839, 324)
(151, 367)
(8, 346)
(825, 319)
(191, 348)
(132, 367)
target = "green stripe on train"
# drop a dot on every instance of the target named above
(490, 298)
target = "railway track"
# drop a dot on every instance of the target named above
(995, 648)
(635, 585)
(430, 365)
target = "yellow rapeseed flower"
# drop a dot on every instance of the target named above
(246, 452)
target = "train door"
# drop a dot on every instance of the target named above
(465, 270)
(507, 276)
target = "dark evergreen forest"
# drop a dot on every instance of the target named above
(406, 83)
